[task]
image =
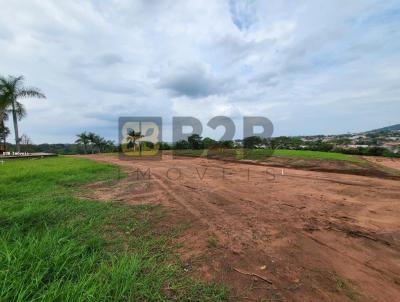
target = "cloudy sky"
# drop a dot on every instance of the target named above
(310, 66)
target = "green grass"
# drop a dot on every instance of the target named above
(344, 286)
(263, 154)
(212, 241)
(303, 154)
(56, 247)
(190, 152)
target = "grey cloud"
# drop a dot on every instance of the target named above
(110, 59)
(278, 58)
(233, 50)
(125, 87)
(93, 61)
(266, 79)
(192, 81)
(102, 74)
(5, 34)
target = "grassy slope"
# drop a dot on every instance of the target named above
(310, 154)
(54, 246)
(261, 154)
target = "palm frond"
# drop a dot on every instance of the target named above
(3, 100)
(16, 81)
(4, 81)
(10, 84)
(20, 110)
(83, 138)
(3, 115)
(31, 92)
(6, 92)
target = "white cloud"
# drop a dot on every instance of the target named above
(299, 63)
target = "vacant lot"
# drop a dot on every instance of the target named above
(272, 233)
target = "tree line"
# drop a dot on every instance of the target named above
(92, 143)
(295, 143)
(195, 141)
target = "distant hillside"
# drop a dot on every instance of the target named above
(386, 129)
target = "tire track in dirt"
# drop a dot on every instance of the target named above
(195, 206)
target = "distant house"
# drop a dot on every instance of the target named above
(357, 146)
(358, 139)
(308, 139)
(328, 139)
(392, 146)
(261, 146)
(351, 146)
(237, 143)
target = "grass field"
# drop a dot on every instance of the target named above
(263, 154)
(56, 247)
(302, 154)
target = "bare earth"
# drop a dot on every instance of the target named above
(272, 233)
(391, 163)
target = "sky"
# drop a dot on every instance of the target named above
(311, 67)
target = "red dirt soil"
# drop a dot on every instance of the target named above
(271, 233)
(391, 163)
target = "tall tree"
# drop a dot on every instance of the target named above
(195, 141)
(26, 142)
(11, 90)
(133, 136)
(110, 145)
(251, 141)
(4, 131)
(92, 139)
(98, 142)
(83, 139)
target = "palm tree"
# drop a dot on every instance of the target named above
(133, 136)
(110, 145)
(98, 142)
(92, 139)
(4, 131)
(12, 89)
(83, 139)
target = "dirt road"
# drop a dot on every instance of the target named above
(272, 233)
